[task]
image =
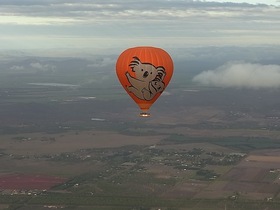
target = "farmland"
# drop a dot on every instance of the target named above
(67, 147)
(161, 173)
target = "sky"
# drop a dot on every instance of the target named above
(241, 36)
(99, 24)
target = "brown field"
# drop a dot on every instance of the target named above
(38, 166)
(259, 158)
(40, 143)
(29, 182)
(223, 132)
(246, 174)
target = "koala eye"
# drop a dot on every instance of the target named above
(155, 83)
(151, 73)
(142, 69)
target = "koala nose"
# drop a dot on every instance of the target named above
(145, 74)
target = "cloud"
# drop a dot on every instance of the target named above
(102, 62)
(16, 68)
(86, 23)
(42, 67)
(32, 67)
(241, 75)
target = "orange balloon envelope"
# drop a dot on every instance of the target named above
(144, 73)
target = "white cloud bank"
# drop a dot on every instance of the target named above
(241, 75)
(33, 67)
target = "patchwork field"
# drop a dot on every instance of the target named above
(85, 153)
(255, 177)
(108, 163)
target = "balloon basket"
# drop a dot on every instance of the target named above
(144, 114)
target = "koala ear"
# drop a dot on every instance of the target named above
(135, 62)
(136, 58)
(161, 73)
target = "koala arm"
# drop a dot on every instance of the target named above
(137, 84)
(130, 78)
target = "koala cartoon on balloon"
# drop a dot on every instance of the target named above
(148, 80)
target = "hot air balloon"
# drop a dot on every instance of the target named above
(144, 72)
